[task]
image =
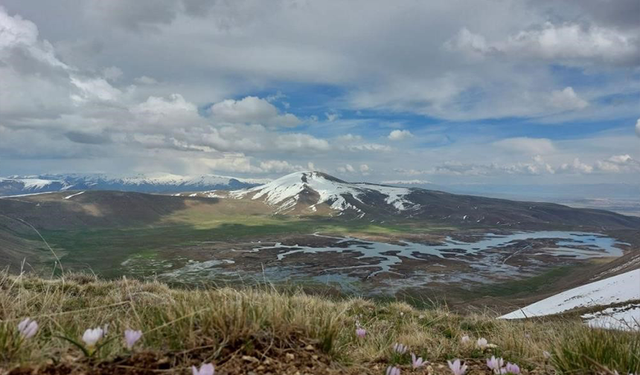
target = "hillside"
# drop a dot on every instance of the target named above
(261, 331)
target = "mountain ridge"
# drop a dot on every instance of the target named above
(153, 183)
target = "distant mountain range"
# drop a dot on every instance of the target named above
(164, 183)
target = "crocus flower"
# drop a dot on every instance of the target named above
(416, 362)
(27, 328)
(457, 368)
(361, 332)
(495, 364)
(393, 370)
(131, 337)
(92, 336)
(482, 343)
(465, 339)
(206, 369)
(512, 368)
(399, 348)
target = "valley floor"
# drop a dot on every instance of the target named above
(263, 331)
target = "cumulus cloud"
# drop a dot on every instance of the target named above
(567, 100)
(347, 168)
(575, 167)
(399, 135)
(171, 112)
(618, 163)
(252, 110)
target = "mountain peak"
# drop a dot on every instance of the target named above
(310, 190)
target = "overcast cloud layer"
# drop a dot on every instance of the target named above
(488, 91)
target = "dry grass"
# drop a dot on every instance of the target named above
(220, 325)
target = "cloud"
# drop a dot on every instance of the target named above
(576, 167)
(406, 182)
(399, 135)
(252, 110)
(332, 116)
(567, 100)
(638, 127)
(112, 73)
(566, 41)
(613, 165)
(619, 164)
(349, 137)
(144, 80)
(139, 16)
(525, 145)
(410, 172)
(368, 147)
(290, 142)
(279, 166)
(166, 112)
(347, 168)
(94, 89)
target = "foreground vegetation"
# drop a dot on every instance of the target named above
(263, 331)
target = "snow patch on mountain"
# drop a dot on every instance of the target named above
(622, 317)
(613, 290)
(286, 192)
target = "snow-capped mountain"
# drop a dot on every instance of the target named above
(158, 183)
(621, 290)
(310, 191)
(316, 193)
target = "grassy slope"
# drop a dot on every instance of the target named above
(264, 331)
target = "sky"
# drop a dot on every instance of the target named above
(448, 92)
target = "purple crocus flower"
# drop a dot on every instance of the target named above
(393, 370)
(482, 343)
(416, 362)
(457, 367)
(27, 328)
(131, 337)
(361, 332)
(399, 348)
(206, 369)
(92, 336)
(495, 364)
(512, 368)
